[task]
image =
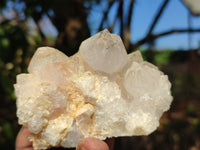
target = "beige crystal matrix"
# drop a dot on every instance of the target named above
(99, 92)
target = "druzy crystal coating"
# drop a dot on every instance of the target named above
(99, 92)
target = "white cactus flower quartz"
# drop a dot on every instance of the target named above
(99, 92)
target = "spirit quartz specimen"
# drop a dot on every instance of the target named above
(99, 92)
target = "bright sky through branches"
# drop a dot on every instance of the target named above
(174, 16)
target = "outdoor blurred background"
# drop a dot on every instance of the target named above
(167, 32)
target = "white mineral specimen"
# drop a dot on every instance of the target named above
(99, 92)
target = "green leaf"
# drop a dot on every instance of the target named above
(5, 42)
(7, 130)
(162, 58)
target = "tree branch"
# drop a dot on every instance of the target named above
(121, 19)
(127, 32)
(153, 37)
(105, 15)
(43, 37)
(175, 31)
(115, 20)
(130, 13)
(158, 16)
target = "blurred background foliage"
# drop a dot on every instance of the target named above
(22, 30)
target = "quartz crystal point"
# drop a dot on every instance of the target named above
(99, 92)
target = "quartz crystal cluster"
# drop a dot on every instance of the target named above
(99, 92)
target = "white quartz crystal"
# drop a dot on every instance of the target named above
(104, 52)
(99, 92)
